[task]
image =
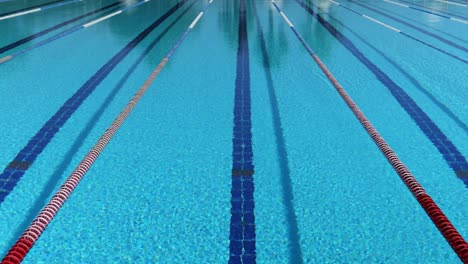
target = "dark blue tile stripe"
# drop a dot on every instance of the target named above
(12, 174)
(43, 32)
(450, 153)
(242, 227)
(446, 41)
(31, 7)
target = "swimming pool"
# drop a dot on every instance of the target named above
(242, 150)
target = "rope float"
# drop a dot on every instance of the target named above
(50, 29)
(29, 153)
(442, 223)
(29, 237)
(403, 21)
(429, 12)
(69, 31)
(34, 10)
(399, 31)
(452, 3)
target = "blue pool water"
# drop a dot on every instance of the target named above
(164, 189)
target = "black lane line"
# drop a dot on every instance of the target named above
(25, 158)
(45, 31)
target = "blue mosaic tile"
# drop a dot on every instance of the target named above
(248, 259)
(8, 185)
(233, 259)
(242, 226)
(235, 248)
(249, 247)
(236, 232)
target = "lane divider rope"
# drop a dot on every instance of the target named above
(441, 105)
(425, 6)
(429, 12)
(396, 3)
(452, 3)
(445, 146)
(34, 10)
(25, 158)
(422, 30)
(446, 228)
(29, 7)
(399, 31)
(26, 241)
(69, 31)
(50, 29)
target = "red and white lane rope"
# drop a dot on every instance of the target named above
(444, 225)
(26, 241)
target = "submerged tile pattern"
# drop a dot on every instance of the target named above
(242, 228)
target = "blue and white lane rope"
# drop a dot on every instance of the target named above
(452, 3)
(30, 8)
(29, 237)
(410, 25)
(399, 31)
(34, 10)
(367, 17)
(69, 31)
(56, 27)
(429, 12)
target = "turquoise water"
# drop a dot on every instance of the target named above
(160, 192)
